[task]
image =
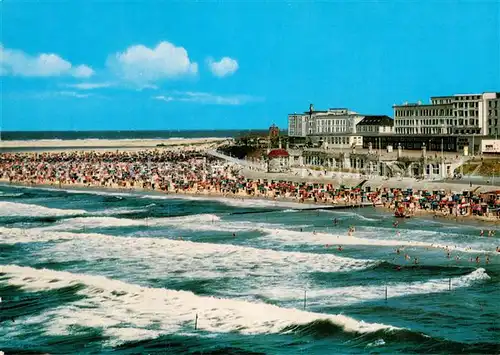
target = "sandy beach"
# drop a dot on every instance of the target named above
(55, 145)
(183, 170)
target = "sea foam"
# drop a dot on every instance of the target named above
(181, 258)
(127, 312)
(355, 294)
(14, 209)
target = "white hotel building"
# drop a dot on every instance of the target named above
(494, 116)
(462, 114)
(297, 125)
(335, 127)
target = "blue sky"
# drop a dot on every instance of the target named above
(111, 65)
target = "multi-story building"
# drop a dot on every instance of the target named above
(375, 125)
(461, 114)
(335, 128)
(450, 123)
(493, 107)
(424, 119)
(297, 125)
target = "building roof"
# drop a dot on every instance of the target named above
(376, 121)
(278, 153)
(417, 105)
(315, 111)
(442, 97)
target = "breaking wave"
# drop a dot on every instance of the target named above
(181, 258)
(121, 308)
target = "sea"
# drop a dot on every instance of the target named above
(99, 271)
(130, 134)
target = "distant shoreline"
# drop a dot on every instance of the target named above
(7, 136)
(55, 145)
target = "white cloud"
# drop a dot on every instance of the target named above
(207, 98)
(18, 63)
(147, 86)
(225, 66)
(141, 64)
(164, 98)
(89, 86)
(73, 94)
(44, 95)
(83, 71)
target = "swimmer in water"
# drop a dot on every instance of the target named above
(481, 233)
(398, 234)
(301, 229)
(397, 251)
(340, 248)
(487, 259)
(234, 234)
(416, 261)
(477, 259)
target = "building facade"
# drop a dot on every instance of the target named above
(493, 107)
(455, 123)
(278, 161)
(336, 129)
(375, 125)
(423, 119)
(461, 114)
(297, 125)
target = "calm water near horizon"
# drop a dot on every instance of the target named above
(98, 271)
(159, 134)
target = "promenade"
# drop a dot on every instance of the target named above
(373, 181)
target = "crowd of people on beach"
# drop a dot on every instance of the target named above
(194, 172)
